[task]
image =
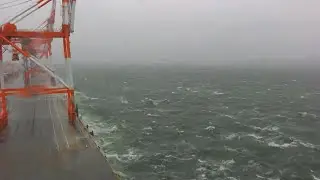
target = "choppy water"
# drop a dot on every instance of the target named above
(195, 123)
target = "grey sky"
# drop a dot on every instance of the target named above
(196, 30)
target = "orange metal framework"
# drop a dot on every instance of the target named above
(10, 35)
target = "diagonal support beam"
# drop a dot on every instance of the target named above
(24, 53)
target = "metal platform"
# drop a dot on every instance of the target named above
(39, 143)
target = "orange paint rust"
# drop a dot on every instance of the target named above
(38, 90)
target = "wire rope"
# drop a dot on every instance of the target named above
(9, 2)
(14, 5)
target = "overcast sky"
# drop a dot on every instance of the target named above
(196, 30)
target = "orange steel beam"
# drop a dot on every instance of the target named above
(34, 34)
(37, 40)
(34, 89)
(66, 41)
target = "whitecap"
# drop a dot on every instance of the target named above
(303, 114)
(225, 165)
(230, 149)
(267, 128)
(232, 178)
(201, 161)
(217, 93)
(305, 144)
(175, 157)
(260, 177)
(130, 156)
(210, 128)
(147, 128)
(274, 178)
(229, 116)
(123, 100)
(231, 136)
(315, 177)
(201, 169)
(228, 162)
(153, 115)
(179, 131)
(282, 146)
(254, 136)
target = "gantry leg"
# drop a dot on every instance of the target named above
(67, 55)
(71, 106)
(1, 66)
(3, 112)
(70, 95)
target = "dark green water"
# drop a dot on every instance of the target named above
(171, 122)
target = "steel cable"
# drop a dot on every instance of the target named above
(23, 2)
(9, 2)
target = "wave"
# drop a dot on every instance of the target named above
(131, 155)
(282, 146)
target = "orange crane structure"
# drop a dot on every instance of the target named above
(41, 134)
(34, 45)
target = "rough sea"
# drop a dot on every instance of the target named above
(197, 123)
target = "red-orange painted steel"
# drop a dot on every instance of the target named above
(11, 35)
(1, 57)
(3, 113)
(34, 34)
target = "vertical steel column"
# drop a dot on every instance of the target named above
(66, 41)
(2, 120)
(1, 64)
(4, 112)
(71, 106)
(67, 54)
